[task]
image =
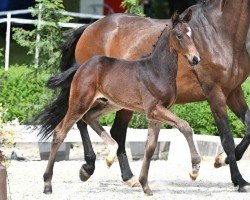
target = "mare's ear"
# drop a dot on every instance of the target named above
(188, 16)
(175, 18)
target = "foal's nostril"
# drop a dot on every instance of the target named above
(195, 60)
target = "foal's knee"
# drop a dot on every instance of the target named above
(185, 129)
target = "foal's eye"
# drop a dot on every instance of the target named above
(179, 37)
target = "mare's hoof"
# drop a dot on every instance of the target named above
(148, 192)
(112, 154)
(220, 160)
(193, 176)
(84, 176)
(47, 189)
(245, 188)
(133, 182)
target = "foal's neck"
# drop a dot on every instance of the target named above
(163, 56)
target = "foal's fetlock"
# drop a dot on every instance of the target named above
(146, 189)
(195, 171)
(112, 154)
(220, 160)
(47, 188)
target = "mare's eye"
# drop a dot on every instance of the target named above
(179, 37)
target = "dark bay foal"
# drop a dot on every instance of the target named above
(147, 85)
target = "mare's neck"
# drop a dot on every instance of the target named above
(163, 56)
(229, 19)
(231, 16)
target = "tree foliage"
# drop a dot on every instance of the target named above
(1, 57)
(133, 7)
(51, 34)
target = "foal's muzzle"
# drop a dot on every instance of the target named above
(193, 60)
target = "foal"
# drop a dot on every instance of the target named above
(147, 85)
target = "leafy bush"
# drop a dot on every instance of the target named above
(1, 57)
(7, 134)
(133, 7)
(51, 34)
(22, 93)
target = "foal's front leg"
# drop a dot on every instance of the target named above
(152, 138)
(162, 114)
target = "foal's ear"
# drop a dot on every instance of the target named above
(188, 16)
(175, 18)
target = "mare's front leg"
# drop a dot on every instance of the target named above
(151, 143)
(237, 103)
(217, 102)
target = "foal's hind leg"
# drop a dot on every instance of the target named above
(91, 118)
(162, 114)
(118, 132)
(152, 138)
(79, 104)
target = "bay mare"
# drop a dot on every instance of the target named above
(220, 29)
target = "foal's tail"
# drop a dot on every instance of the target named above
(62, 80)
(54, 112)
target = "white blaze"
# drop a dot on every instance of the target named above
(189, 33)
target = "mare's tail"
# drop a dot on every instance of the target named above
(54, 112)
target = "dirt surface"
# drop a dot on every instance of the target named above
(167, 180)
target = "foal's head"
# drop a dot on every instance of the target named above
(181, 38)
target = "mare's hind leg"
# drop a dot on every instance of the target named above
(91, 118)
(152, 138)
(162, 114)
(88, 168)
(237, 103)
(80, 102)
(118, 132)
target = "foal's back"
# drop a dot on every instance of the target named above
(115, 79)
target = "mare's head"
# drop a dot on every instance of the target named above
(181, 38)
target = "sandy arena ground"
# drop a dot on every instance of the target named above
(167, 180)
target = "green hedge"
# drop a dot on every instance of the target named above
(23, 95)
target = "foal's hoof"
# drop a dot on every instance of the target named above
(47, 189)
(84, 176)
(245, 188)
(133, 182)
(148, 192)
(112, 154)
(193, 176)
(220, 160)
